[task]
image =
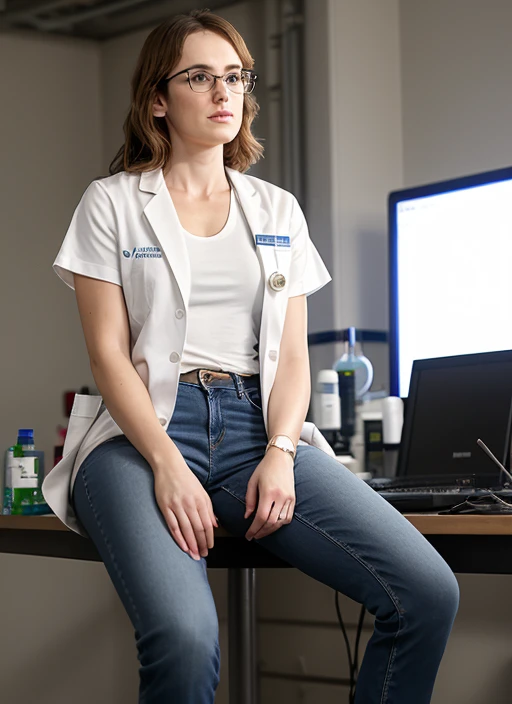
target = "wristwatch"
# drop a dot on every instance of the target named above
(284, 443)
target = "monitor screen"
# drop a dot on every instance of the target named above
(450, 271)
(453, 402)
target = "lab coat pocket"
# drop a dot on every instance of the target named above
(84, 411)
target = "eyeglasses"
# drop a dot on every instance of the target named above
(201, 81)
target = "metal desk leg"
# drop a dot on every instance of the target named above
(243, 685)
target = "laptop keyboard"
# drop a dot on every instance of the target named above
(424, 489)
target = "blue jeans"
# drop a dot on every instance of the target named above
(343, 534)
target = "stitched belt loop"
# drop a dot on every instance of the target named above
(239, 384)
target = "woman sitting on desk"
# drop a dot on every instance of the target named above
(191, 280)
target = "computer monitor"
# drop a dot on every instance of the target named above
(453, 402)
(450, 270)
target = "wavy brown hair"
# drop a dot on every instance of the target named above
(147, 142)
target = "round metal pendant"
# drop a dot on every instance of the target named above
(277, 281)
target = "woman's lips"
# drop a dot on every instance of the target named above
(221, 118)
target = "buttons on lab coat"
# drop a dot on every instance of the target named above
(179, 313)
(277, 281)
(163, 421)
(273, 355)
(175, 357)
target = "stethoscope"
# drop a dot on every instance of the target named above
(276, 280)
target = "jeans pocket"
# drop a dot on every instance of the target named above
(254, 398)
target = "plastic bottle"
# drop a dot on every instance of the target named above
(353, 359)
(26, 440)
(326, 405)
(6, 490)
(327, 413)
(26, 477)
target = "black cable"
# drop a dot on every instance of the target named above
(347, 644)
(352, 664)
(356, 647)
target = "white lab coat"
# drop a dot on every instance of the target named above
(116, 219)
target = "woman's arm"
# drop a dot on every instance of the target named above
(184, 503)
(290, 395)
(272, 485)
(107, 336)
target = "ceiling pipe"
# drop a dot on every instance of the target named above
(51, 25)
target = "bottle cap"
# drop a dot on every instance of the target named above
(327, 376)
(350, 335)
(25, 436)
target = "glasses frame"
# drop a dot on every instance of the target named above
(252, 79)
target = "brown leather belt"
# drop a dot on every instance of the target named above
(195, 376)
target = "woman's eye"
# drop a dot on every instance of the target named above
(200, 77)
(232, 78)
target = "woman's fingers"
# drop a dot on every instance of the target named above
(206, 519)
(273, 521)
(260, 519)
(175, 530)
(290, 511)
(187, 530)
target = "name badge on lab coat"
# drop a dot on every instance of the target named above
(276, 280)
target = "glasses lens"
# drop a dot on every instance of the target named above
(200, 81)
(249, 80)
(237, 81)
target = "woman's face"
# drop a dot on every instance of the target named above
(189, 114)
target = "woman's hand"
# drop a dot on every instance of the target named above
(186, 507)
(272, 488)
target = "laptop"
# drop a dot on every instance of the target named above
(453, 401)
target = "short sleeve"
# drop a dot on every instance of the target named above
(308, 273)
(90, 246)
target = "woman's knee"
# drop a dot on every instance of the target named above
(436, 601)
(192, 638)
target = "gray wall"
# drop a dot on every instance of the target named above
(457, 98)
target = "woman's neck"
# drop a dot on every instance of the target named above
(198, 178)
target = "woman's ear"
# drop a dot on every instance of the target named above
(159, 106)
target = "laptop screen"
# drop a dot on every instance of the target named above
(452, 402)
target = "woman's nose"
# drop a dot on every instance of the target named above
(220, 90)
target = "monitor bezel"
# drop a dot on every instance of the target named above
(420, 365)
(400, 196)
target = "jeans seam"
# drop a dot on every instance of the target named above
(394, 599)
(107, 545)
(251, 402)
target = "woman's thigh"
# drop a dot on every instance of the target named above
(159, 584)
(347, 536)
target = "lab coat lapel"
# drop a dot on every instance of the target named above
(260, 217)
(163, 218)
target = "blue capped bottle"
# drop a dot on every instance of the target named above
(355, 376)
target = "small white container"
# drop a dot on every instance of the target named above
(392, 420)
(326, 401)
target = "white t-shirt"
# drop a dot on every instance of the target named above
(226, 298)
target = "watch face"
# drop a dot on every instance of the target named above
(283, 441)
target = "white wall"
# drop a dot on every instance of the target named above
(457, 102)
(366, 139)
(354, 96)
(51, 149)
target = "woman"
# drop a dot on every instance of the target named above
(191, 280)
